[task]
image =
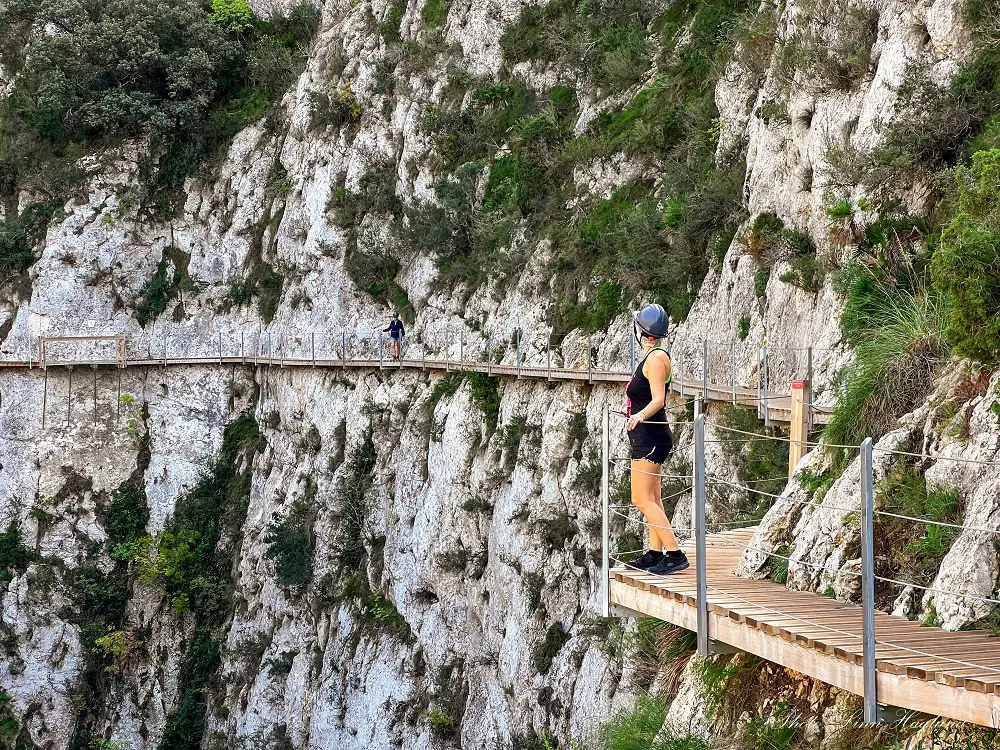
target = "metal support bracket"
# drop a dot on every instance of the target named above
(718, 648)
(899, 716)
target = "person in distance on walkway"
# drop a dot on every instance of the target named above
(651, 441)
(396, 332)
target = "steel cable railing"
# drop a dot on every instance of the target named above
(867, 513)
(739, 372)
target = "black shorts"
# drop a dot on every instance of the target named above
(655, 453)
(651, 443)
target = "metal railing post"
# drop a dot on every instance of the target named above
(760, 377)
(519, 355)
(631, 367)
(701, 545)
(680, 368)
(733, 360)
(868, 584)
(704, 369)
(380, 351)
(489, 355)
(605, 503)
(312, 346)
(590, 360)
(343, 350)
(809, 379)
(461, 346)
(767, 385)
(423, 351)
(548, 358)
(243, 351)
(220, 347)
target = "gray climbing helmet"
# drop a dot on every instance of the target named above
(395, 315)
(652, 320)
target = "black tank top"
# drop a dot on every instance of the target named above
(639, 394)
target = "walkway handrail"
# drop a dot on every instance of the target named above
(722, 368)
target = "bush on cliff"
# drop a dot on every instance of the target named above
(964, 264)
(166, 72)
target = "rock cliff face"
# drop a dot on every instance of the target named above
(468, 617)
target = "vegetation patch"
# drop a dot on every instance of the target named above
(192, 560)
(262, 283)
(521, 142)
(185, 79)
(896, 326)
(169, 281)
(829, 56)
(545, 652)
(21, 233)
(291, 542)
(907, 550)
(964, 264)
(15, 557)
(485, 391)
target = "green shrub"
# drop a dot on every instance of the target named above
(485, 393)
(264, 283)
(290, 543)
(545, 652)
(897, 330)
(760, 734)
(209, 519)
(779, 564)
(125, 520)
(964, 265)
(840, 58)
(156, 294)
(15, 557)
(913, 551)
(333, 111)
(841, 210)
(636, 728)
(20, 234)
(608, 42)
(743, 328)
(234, 15)
(440, 723)
(760, 280)
(388, 29)
(352, 500)
(804, 272)
(434, 12)
(187, 79)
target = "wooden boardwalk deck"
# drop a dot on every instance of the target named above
(779, 404)
(922, 669)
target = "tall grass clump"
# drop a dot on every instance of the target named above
(896, 326)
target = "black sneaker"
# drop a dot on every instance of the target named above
(672, 562)
(647, 561)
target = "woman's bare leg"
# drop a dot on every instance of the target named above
(645, 492)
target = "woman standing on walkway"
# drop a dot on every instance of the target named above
(651, 441)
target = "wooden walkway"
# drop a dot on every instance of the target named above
(778, 404)
(821, 637)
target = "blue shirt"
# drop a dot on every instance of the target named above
(396, 329)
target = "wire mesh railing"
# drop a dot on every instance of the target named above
(863, 632)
